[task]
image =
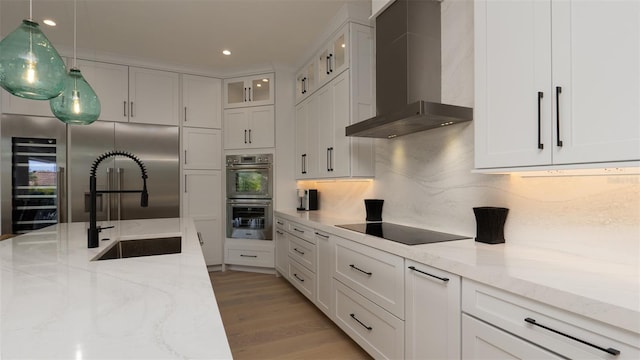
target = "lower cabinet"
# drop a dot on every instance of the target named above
(483, 341)
(303, 279)
(255, 253)
(282, 246)
(564, 333)
(432, 318)
(325, 243)
(202, 202)
(210, 234)
(377, 331)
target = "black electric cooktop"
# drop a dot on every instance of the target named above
(402, 234)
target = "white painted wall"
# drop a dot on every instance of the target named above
(426, 180)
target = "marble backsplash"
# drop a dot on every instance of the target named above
(426, 179)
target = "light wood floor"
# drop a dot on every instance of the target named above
(265, 317)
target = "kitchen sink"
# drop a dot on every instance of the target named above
(143, 247)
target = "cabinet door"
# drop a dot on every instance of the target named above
(483, 341)
(324, 274)
(282, 247)
(340, 154)
(202, 148)
(513, 66)
(302, 111)
(154, 96)
(210, 233)
(202, 101)
(111, 84)
(432, 325)
(322, 117)
(261, 90)
(596, 63)
(12, 104)
(261, 127)
(249, 91)
(334, 57)
(236, 128)
(202, 201)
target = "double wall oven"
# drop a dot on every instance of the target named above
(249, 196)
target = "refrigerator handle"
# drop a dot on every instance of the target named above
(120, 173)
(108, 196)
(62, 196)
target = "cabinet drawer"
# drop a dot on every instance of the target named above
(250, 257)
(375, 274)
(303, 279)
(509, 311)
(302, 231)
(483, 341)
(303, 252)
(280, 224)
(376, 330)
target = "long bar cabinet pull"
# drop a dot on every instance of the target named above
(185, 157)
(185, 114)
(245, 136)
(185, 183)
(200, 238)
(249, 136)
(353, 316)
(245, 94)
(362, 271)
(425, 273)
(298, 251)
(558, 91)
(540, 96)
(249, 94)
(298, 230)
(124, 107)
(131, 112)
(322, 235)
(610, 351)
(279, 232)
(330, 64)
(250, 256)
(298, 277)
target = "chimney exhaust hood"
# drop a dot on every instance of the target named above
(408, 74)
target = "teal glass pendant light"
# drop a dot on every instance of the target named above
(30, 67)
(78, 104)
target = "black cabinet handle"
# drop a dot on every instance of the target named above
(425, 273)
(328, 159)
(298, 251)
(558, 91)
(251, 256)
(249, 94)
(298, 230)
(610, 351)
(279, 222)
(299, 278)
(330, 64)
(249, 136)
(125, 109)
(362, 271)
(331, 159)
(245, 94)
(353, 316)
(322, 235)
(540, 144)
(131, 110)
(185, 114)
(279, 232)
(304, 163)
(245, 136)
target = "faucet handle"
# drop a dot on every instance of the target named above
(100, 228)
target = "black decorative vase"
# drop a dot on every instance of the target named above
(490, 224)
(374, 209)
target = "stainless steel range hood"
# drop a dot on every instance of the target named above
(408, 74)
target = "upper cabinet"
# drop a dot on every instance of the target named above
(249, 128)
(254, 90)
(132, 94)
(333, 58)
(201, 102)
(557, 82)
(306, 81)
(343, 96)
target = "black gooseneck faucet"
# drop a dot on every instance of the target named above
(93, 230)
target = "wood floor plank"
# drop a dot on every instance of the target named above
(265, 317)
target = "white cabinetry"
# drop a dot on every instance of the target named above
(202, 201)
(557, 82)
(111, 84)
(325, 243)
(344, 96)
(432, 319)
(282, 246)
(249, 91)
(306, 80)
(251, 127)
(201, 102)
(566, 334)
(202, 148)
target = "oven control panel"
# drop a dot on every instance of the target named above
(249, 159)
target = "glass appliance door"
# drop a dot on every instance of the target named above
(249, 219)
(252, 182)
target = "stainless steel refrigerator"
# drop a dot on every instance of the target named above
(38, 192)
(158, 148)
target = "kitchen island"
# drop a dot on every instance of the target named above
(57, 302)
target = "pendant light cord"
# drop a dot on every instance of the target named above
(31, 10)
(74, 32)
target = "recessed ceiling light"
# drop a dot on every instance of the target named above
(49, 22)
(226, 52)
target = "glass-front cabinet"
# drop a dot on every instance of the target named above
(306, 81)
(334, 57)
(253, 90)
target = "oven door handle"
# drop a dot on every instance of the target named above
(248, 203)
(248, 167)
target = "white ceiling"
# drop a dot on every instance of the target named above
(189, 33)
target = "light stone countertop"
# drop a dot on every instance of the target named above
(58, 304)
(589, 283)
